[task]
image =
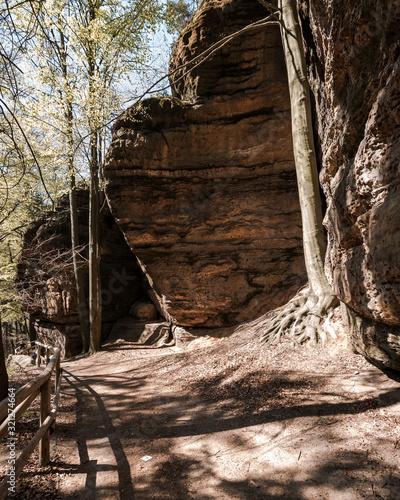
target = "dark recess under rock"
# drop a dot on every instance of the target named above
(46, 281)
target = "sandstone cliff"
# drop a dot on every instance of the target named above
(203, 184)
(352, 51)
(46, 278)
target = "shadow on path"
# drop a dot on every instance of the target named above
(85, 430)
(213, 406)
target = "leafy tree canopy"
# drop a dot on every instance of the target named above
(67, 67)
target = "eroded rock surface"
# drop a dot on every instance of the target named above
(46, 277)
(203, 184)
(352, 50)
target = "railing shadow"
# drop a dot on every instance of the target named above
(92, 467)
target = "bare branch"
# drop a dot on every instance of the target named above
(272, 8)
(200, 59)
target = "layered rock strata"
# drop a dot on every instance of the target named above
(46, 279)
(352, 52)
(203, 184)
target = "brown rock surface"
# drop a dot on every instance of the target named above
(46, 278)
(352, 49)
(149, 333)
(203, 184)
(66, 336)
(143, 311)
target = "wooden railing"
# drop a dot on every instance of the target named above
(22, 399)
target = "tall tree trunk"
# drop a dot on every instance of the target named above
(10, 343)
(304, 150)
(94, 249)
(303, 315)
(94, 233)
(78, 272)
(3, 369)
(73, 209)
(31, 331)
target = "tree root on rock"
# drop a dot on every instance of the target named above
(301, 319)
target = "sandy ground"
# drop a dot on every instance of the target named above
(229, 419)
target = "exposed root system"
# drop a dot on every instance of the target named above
(302, 319)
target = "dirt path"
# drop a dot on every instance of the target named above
(229, 421)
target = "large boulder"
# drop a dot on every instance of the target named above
(20, 362)
(46, 281)
(352, 51)
(203, 184)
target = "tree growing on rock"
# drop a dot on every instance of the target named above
(302, 317)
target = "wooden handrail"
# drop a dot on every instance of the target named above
(24, 391)
(45, 346)
(48, 348)
(19, 411)
(23, 397)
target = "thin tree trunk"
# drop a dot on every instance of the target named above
(32, 332)
(304, 150)
(79, 277)
(302, 317)
(8, 349)
(6, 333)
(94, 232)
(3, 369)
(77, 261)
(94, 250)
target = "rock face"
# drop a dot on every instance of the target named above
(352, 50)
(203, 184)
(46, 278)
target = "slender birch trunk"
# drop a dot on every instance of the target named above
(31, 331)
(303, 148)
(302, 317)
(77, 261)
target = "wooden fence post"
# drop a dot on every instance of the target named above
(58, 371)
(44, 445)
(47, 355)
(38, 355)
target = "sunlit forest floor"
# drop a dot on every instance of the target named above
(230, 419)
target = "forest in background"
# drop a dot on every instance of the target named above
(68, 69)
